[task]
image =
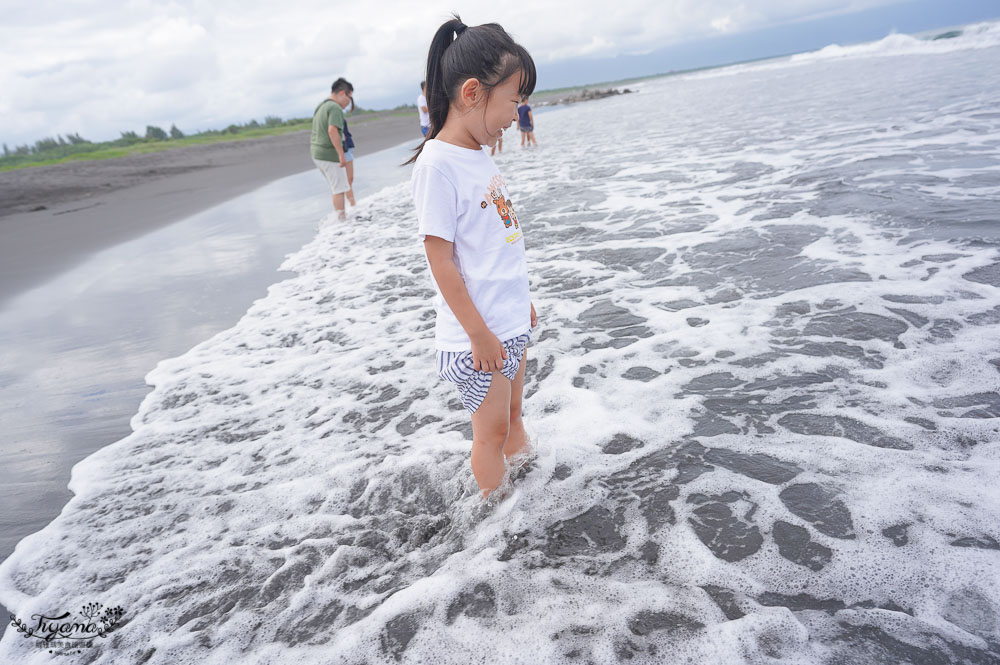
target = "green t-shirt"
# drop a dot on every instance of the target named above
(328, 114)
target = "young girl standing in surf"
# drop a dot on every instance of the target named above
(476, 77)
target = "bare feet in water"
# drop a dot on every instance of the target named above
(518, 466)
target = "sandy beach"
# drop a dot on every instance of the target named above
(51, 217)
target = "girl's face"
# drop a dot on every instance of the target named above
(494, 112)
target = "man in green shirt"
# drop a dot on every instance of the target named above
(326, 143)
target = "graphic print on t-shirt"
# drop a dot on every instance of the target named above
(495, 197)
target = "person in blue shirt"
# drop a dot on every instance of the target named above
(526, 123)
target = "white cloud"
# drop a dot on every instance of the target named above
(97, 68)
(723, 23)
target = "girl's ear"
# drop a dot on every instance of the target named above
(470, 93)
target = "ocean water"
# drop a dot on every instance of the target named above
(763, 397)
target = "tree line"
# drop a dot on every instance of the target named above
(55, 148)
(62, 146)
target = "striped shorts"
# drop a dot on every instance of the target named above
(456, 367)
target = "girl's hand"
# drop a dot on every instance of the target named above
(534, 317)
(488, 353)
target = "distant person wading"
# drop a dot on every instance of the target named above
(326, 143)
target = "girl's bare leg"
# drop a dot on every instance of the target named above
(490, 426)
(517, 438)
(523, 134)
(350, 181)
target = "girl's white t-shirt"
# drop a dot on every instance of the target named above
(460, 196)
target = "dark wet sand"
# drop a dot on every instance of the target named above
(89, 206)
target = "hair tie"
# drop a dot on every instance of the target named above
(460, 29)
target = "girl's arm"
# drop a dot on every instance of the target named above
(487, 352)
(531, 119)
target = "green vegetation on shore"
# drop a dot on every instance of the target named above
(73, 147)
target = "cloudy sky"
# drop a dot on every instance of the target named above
(97, 67)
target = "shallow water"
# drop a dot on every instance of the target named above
(764, 396)
(74, 351)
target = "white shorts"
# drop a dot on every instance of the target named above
(335, 174)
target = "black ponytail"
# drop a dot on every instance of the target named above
(483, 52)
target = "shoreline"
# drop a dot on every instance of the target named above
(92, 205)
(52, 217)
